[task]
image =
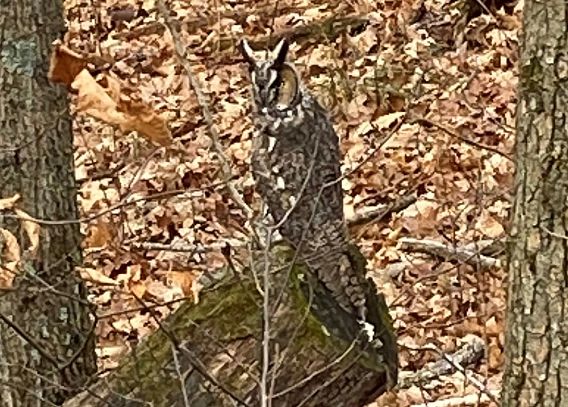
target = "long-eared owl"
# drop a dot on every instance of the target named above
(296, 167)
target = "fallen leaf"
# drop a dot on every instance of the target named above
(32, 230)
(65, 64)
(8, 203)
(489, 226)
(188, 282)
(100, 235)
(10, 256)
(95, 101)
(96, 276)
(11, 252)
(138, 288)
(384, 122)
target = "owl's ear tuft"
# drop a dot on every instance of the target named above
(247, 52)
(280, 51)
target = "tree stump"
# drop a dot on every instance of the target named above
(210, 353)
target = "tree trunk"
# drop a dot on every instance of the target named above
(209, 354)
(536, 371)
(46, 338)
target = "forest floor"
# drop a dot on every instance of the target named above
(423, 100)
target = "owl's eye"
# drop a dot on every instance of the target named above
(288, 89)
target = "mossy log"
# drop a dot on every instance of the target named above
(213, 349)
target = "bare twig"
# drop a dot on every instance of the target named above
(466, 140)
(119, 205)
(372, 217)
(377, 213)
(469, 400)
(376, 149)
(177, 247)
(31, 341)
(180, 375)
(465, 255)
(318, 372)
(195, 362)
(330, 28)
(204, 105)
(364, 216)
(472, 351)
(265, 401)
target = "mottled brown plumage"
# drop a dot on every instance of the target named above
(296, 166)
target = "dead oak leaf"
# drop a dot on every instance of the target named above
(8, 203)
(108, 106)
(10, 255)
(32, 230)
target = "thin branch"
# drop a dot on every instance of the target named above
(81, 350)
(372, 217)
(329, 28)
(119, 205)
(469, 400)
(471, 352)
(466, 140)
(327, 383)
(26, 337)
(364, 216)
(319, 371)
(28, 391)
(203, 104)
(266, 314)
(144, 307)
(433, 247)
(375, 214)
(180, 247)
(193, 360)
(180, 376)
(376, 149)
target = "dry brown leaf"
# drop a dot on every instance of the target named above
(122, 325)
(100, 235)
(10, 256)
(96, 276)
(489, 226)
(138, 288)
(495, 355)
(32, 230)
(8, 203)
(421, 217)
(111, 351)
(143, 119)
(95, 101)
(188, 281)
(65, 64)
(384, 122)
(158, 290)
(11, 252)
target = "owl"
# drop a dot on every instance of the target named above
(296, 168)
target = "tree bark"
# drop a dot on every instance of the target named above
(46, 341)
(209, 354)
(536, 371)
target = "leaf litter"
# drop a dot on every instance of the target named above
(144, 158)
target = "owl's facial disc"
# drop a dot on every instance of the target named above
(287, 94)
(275, 82)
